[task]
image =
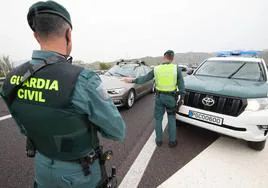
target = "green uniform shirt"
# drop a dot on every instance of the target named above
(90, 98)
(150, 76)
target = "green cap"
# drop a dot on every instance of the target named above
(47, 7)
(169, 53)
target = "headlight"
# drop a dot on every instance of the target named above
(257, 104)
(116, 91)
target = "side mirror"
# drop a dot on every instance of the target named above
(183, 69)
(190, 71)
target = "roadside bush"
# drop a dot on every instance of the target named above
(105, 66)
(5, 66)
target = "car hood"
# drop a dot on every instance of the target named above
(227, 87)
(114, 82)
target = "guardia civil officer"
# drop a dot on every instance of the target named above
(168, 79)
(60, 107)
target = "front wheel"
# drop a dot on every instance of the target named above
(257, 145)
(130, 99)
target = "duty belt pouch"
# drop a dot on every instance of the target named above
(30, 148)
(85, 167)
(87, 161)
(179, 102)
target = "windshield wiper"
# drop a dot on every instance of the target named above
(234, 73)
(254, 80)
(210, 75)
(109, 73)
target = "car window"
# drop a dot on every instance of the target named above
(147, 69)
(140, 71)
(218, 68)
(127, 70)
(251, 71)
(232, 69)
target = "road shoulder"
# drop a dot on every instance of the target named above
(226, 163)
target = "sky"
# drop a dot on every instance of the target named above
(107, 30)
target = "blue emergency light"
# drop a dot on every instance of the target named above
(251, 53)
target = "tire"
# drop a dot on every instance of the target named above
(257, 145)
(130, 99)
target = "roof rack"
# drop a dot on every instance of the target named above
(250, 53)
(140, 62)
(122, 61)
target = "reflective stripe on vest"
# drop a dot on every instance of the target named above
(166, 77)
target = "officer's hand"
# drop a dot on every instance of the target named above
(128, 79)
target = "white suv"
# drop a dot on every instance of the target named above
(228, 94)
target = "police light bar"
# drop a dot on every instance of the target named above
(238, 53)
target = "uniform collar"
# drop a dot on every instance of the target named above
(50, 56)
(165, 63)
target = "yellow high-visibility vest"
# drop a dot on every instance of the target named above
(166, 77)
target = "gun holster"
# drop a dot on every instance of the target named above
(179, 102)
(30, 148)
(107, 181)
(179, 105)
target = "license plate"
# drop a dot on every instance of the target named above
(205, 117)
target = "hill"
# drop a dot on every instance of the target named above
(190, 59)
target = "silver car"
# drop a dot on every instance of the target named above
(125, 94)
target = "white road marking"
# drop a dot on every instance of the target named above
(225, 163)
(136, 171)
(5, 117)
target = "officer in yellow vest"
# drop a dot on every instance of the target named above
(168, 84)
(60, 107)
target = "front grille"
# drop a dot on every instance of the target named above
(222, 104)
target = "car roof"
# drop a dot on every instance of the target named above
(236, 58)
(130, 64)
(138, 62)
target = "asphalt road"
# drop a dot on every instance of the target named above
(17, 170)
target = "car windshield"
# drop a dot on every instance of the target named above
(122, 71)
(232, 69)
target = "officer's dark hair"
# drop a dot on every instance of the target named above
(48, 25)
(169, 54)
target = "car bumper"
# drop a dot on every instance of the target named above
(119, 100)
(244, 126)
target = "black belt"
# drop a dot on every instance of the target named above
(89, 157)
(166, 92)
(86, 162)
